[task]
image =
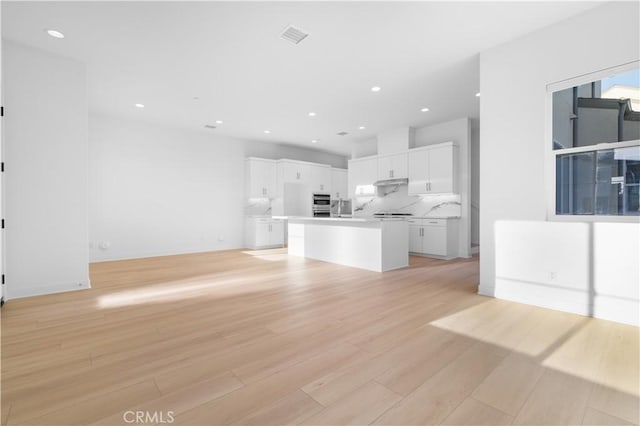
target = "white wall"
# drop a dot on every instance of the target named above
(277, 151)
(2, 285)
(513, 171)
(395, 141)
(458, 131)
(45, 148)
(364, 148)
(474, 151)
(157, 190)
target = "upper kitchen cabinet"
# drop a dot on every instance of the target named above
(433, 169)
(362, 173)
(290, 171)
(338, 184)
(392, 166)
(320, 178)
(260, 178)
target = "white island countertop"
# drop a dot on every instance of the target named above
(339, 219)
(376, 244)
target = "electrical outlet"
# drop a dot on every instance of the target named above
(220, 237)
(553, 275)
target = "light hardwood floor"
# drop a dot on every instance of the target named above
(257, 338)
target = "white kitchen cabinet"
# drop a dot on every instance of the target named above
(362, 173)
(260, 178)
(433, 169)
(415, 236)
(339, 184)
(392, 166)
(290, 171)
(320, 178)
(433, 237)
(264, 233)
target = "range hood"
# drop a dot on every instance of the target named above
(391, 182)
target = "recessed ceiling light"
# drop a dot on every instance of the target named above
(314, 141)
(209, 126)
(218, 121)
(312, 114)
(478, 94)
(375, 89)
(139, 106)
(195, 98)
(267, 131)
(424, 109)
(55, 33)
(361, 127)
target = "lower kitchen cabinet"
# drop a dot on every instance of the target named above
(264, 233)
(433, 237)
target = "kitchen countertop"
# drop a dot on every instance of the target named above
(341, 219)
(434, 217)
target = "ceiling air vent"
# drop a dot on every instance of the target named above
(293, 34)
(343, 134)
(209, 126)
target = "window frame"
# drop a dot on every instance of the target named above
(551, 154)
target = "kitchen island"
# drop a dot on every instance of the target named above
(367, 243)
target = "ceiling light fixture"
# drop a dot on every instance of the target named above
(312, 114)
(375, 89)
(424, 110)
(139, 106)
(314, 141)
(267, 131)
(361, 127)
(218, 121)
(209, 126)
(478, 95)
(196, 98)
(55, 33)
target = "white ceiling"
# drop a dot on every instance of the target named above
(231, 56)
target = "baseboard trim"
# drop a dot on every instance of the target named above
(610, 308)
(162, 254)
(46, 290)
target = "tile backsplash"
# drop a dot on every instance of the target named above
(396, 199)
(257, 207)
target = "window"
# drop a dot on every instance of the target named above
(596, 144)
